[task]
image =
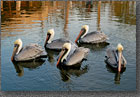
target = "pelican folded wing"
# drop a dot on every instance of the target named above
(30, 52)
(78, 55)
(111, 58)
(94, 37)
(58, 43)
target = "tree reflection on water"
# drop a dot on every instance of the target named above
(15, 12)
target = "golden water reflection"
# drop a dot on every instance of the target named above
(18, 13)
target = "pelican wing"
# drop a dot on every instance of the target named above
(58, 43)
(77, 56)
(94, 37)
(30, 52)
(112, 57)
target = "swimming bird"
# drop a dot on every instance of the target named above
(92, 37)
(70, 56)
(115, 59)
(55, 44)
(27, 53)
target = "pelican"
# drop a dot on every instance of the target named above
(55, 44)
(70, 56)
(115, 59)
(92, 37)
(27, 53)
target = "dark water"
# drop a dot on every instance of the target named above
(31, 21)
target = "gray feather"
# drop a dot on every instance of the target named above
(77, 56)
(58, 43)
(94, 37)
(30, 52)
(112, 57)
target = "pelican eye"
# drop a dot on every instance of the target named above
(84, 30)
(64, 49)
(16, 45)
(49, 34)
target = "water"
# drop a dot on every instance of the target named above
(31, 21)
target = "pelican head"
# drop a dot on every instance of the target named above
(83, 32)
(17, 48)
(64, 52)
(120, 49)
(50, 35)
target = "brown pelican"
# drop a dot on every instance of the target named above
(55, 44)
(93, 37)
(27, 53)
(70, 56)
(115, 59)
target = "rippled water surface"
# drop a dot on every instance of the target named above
(30, 22)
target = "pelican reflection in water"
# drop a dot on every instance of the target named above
(67, 72)
(95, 37)
(115, 59)
(71, 56)
(51, 55)
(55, 44)
(27, 53)
(94, 47)
(19, 66)
(117, 76)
